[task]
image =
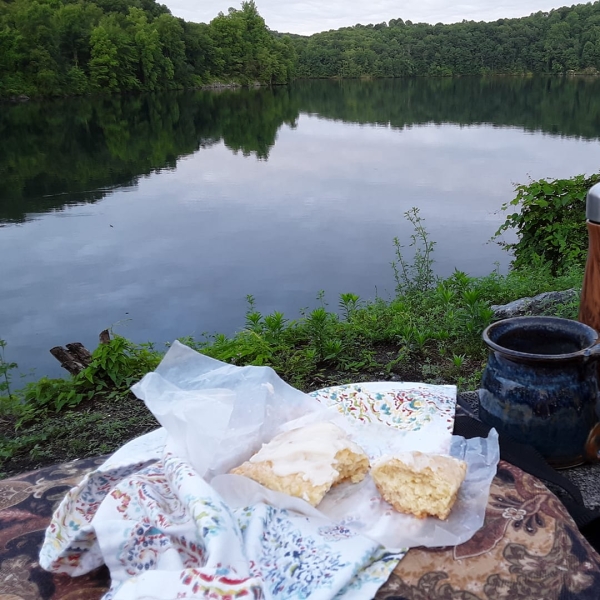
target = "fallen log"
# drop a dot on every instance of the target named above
(76, 357)
(67, 360)
(80, 352)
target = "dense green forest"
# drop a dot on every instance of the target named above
(54, 152)
(545, 42)
(56, 47)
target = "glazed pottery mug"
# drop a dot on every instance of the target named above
(540, 387)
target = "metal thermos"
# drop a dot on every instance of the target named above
(589, 307)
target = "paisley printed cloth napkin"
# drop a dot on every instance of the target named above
(165, 533)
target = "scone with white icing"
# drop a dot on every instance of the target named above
(307, 461)
(420, 484)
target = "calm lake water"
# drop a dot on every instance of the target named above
(159, 213)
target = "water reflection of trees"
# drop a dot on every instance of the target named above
(563, 106)
(64, 152)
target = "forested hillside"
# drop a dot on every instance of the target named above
(58, 47)
(545, 42)
(54, 47)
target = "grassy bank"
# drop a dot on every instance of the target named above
(430, 331)
(430, 334)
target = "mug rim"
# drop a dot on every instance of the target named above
(592, 333)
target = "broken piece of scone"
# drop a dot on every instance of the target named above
(419, 484)
(307, 461)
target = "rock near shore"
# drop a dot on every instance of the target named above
(537, 305)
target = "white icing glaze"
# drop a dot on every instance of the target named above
(309, 450)
(419, 461)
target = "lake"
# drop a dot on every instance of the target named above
(158, 214)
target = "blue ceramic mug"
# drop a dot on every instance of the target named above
(540, 387)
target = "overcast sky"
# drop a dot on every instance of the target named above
(310, 16)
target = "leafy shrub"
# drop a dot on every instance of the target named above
(114, 368)
(550, 222)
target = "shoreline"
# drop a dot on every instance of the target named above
(431, 335)
(233, 85)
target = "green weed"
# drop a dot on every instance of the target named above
(5, 369)
(418, 275)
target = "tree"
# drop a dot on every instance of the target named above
(146, 39)
(74, 23)
(171, 35)
(104, 62)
